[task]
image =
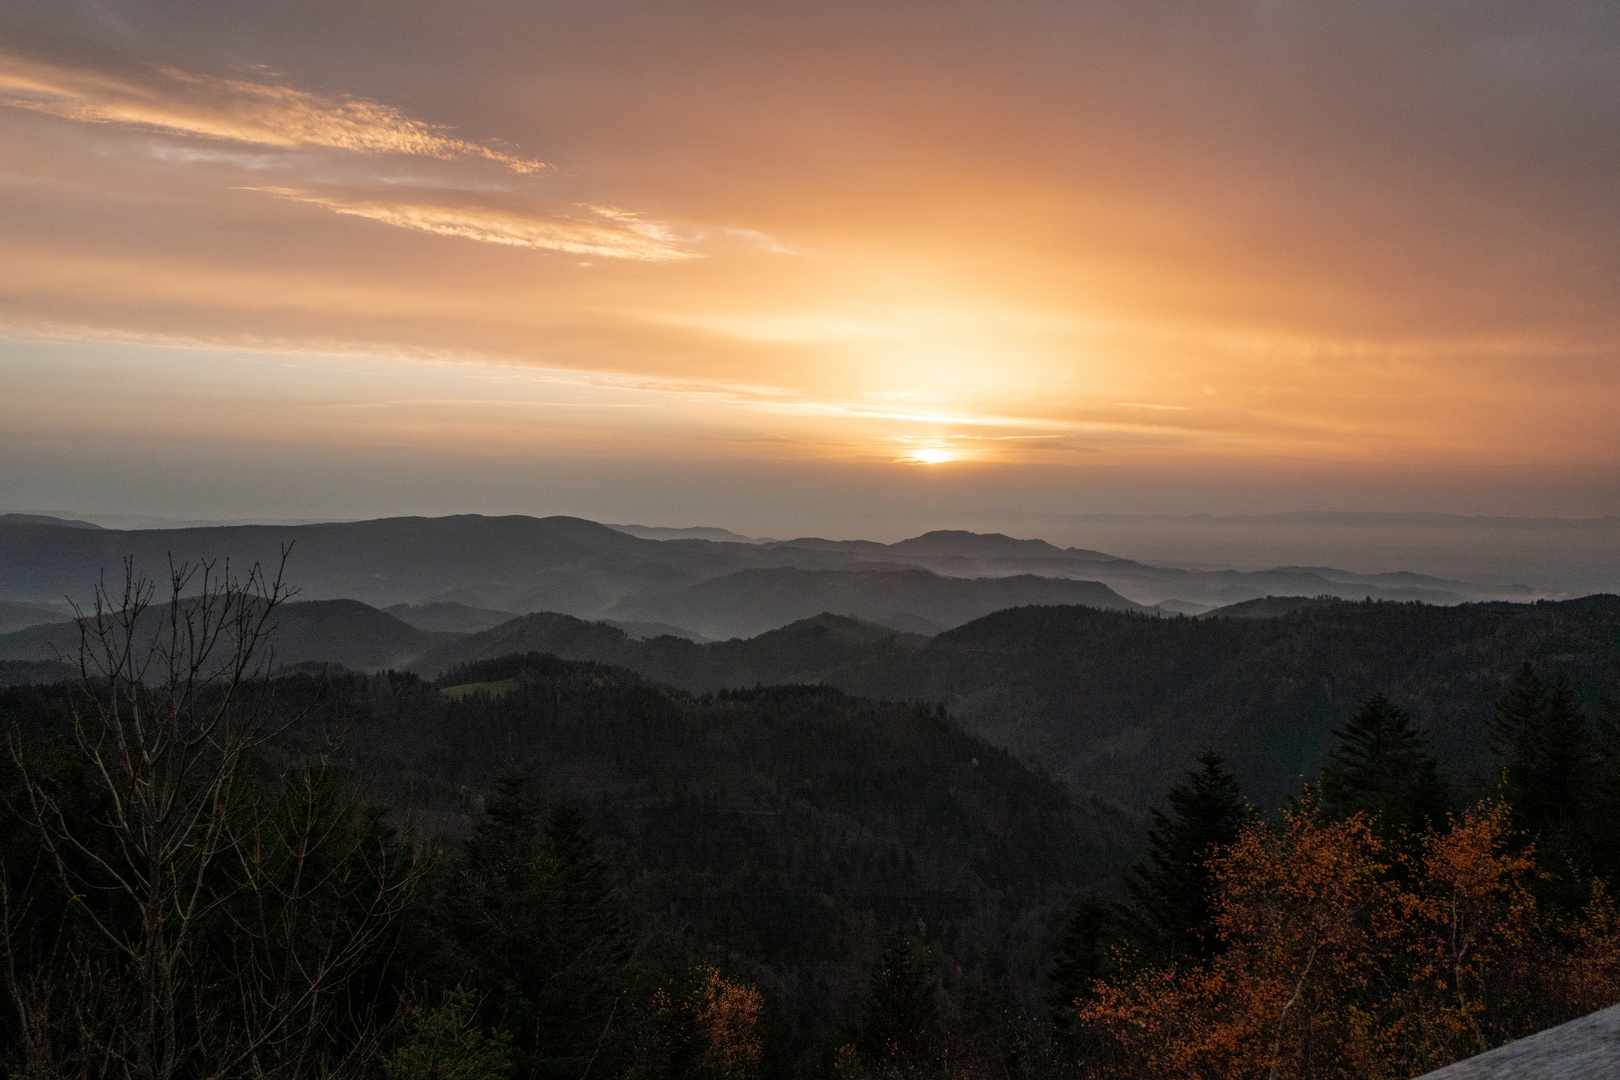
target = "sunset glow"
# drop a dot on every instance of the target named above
(1213, 263)
(660, 496)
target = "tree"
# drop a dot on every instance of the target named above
(1086, 952)
(210, 917)
(1601, 813)
(1384, 768)
(531, 920)
(1089, 952)
(446, 1044)
(900, 1025)
(1291, 909)
(1172, 890)
(702, 1030)
(1334, 966)
(1540, 737)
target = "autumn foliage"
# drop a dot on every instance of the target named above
(1349, 956)
(705, 1030)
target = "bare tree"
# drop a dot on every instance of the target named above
(190, 944)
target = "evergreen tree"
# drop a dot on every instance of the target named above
(446, 1044)
(1541, 739)
(592, 945)
(1172, 916)
(1601, 813)
(900, 1027)
(1385, 768)
(1085, 953)
(534, 925)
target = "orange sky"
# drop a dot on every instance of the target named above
(1228, 256)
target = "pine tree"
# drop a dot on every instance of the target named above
(1172, 916)
(535, 927)
(446, 1044)
(1601, 814)
(1085, 953)
(591, 944)
(1540, 737)
(901, 1025)
(1385, 768)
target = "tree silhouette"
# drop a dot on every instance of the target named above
(1172, 889)
(1086, 953)
(1384, 768)
(533, 923)
(900, 1027)
(212, 917)
(1540, 737)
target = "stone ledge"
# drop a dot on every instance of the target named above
(1584, 1049)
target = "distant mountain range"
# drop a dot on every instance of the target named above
(344, 632)
(16, 616)
(705, 586)
(447, 616)
(1113, 701)
(1361, 519)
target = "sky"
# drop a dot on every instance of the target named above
(835, 267)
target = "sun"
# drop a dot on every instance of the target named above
(933, 457)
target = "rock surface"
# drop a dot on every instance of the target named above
(1584, 1049)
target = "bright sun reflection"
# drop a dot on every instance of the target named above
(933, 457)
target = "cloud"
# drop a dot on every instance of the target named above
(237, 110)
(617, 234)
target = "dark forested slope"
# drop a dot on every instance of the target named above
(825, 648)
(1119, 702)
(801, 823)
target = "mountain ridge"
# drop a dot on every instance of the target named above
(343, 632)
(517, 563)
(1113, 702)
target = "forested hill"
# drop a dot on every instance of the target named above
(1118, 703)
(1113, 701)
(862, 862)
(826, 648)
(795, 826)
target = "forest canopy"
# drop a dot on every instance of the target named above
(535, 867)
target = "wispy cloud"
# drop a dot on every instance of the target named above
(761, 240)
(261, 113)
(609, 233)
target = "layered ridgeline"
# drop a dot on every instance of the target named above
(17, 616)
(343, 632)
(1113, 702)
(1117, 702)
(711, 587)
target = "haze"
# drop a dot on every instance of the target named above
(842, 268)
